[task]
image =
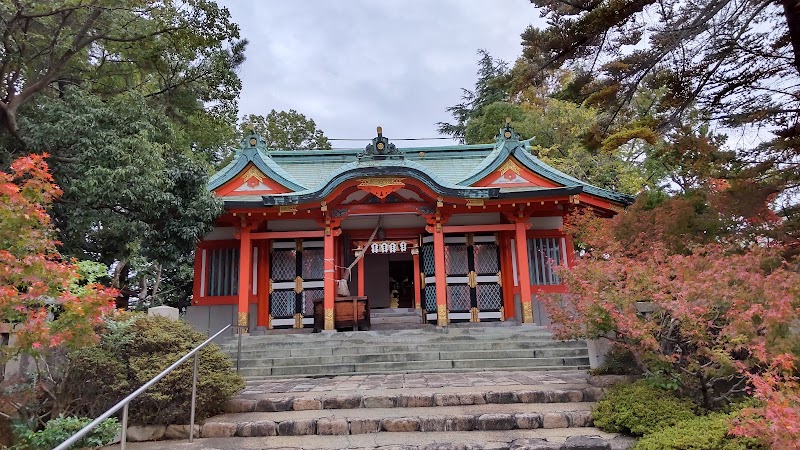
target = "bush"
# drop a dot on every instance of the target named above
(134, 349)
(700, 433)
(640, 408)
(62, 428)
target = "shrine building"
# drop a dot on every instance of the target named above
(461, 233)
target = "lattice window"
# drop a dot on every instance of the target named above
(458, 297)
(282, 304)
(455, 259)
(489, 297)
(313, 264)
(223, 273)
(487, 260)
(309, 295)
(428, 261)
(430, 297)
(545, 255)
(283, 266)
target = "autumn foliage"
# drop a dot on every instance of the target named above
(34, 277)
(702, 305)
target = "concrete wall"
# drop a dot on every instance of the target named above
(210, 319)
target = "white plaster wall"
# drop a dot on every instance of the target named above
(293, 225)
(220, 233)
(486, 218)
(547, 223)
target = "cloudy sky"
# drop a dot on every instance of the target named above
(354, 64)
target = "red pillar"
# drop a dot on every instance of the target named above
(523, 267)
(245, 273)
(361, 279)
(262, 316)
(441, 277)
(329, 284)
(417, 278)
(507, 277)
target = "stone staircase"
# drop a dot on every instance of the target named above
(468, 347)
(486, 410)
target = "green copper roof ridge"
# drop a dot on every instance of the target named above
(265, 164)
(538, 166)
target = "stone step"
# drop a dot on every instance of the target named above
(249, 360)
(542, 439)
(572, 362)
(463, 330)
(258, 378)
(488, 417)
(276, 351)
(251, 400)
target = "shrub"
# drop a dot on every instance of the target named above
(134, 349)
(640, 408)
(60, 429)
(700, 433)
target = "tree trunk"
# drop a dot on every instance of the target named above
(791, 10)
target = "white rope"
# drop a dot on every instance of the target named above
(363, 252)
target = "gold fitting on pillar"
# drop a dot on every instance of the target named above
(502, 314)
(527, 312)
(242, 319)
(298, 320)
(472, 279)
(441, 315)
(269, 322)
(499, 278)
(473, 315)
(298, 285)
(422, 280)
(329, 318)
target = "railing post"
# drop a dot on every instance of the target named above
(194, 398)
(124, 438)
(239, 349)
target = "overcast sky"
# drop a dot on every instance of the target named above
(354, 64)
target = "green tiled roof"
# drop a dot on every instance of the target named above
(453, 168)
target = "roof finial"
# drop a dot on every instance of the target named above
(508, 121)
(507, 133)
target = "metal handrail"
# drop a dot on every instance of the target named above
(126, 401)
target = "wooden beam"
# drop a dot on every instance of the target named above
(287, 234)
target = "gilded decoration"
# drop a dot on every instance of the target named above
(298, 285)
(242, 319)
(422, 280)
(502, 314)
(473, 315)
(269, 322)
(298, 320)
(381, 187)
(527, 312)
(253, 172)
(287, 209)
(475, 202)
(472, 279)
(441, 315)
(329, 318)
(499, 278)
(509, 165)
